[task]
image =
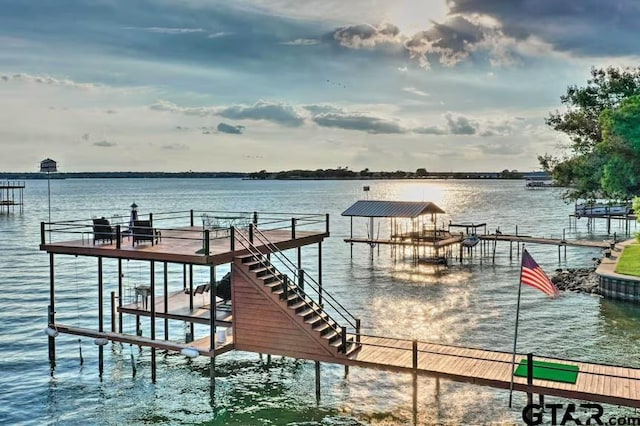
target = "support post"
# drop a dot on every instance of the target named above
(119, 295)
(191, 287)
(100, 317)
(358, 330)
(293, 228)
(152, 286)
(344, 339)
(301, 279)
(317, 382)
(529, 377)
(320, 273)
(113, 311)
(212, 326)
(52, 305)
(191, 217)
(166, 300)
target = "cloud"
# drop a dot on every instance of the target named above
(365, 35)
(228, 128)
(167, 30)
(176, 147)
(164, 105)
(591, 27)
(301, 42)
(218, 34)
(450, 42)
(276, 112)
(47, 80)
(322, 108)
(104, 144)
(460, 125)
(86, 137)
(358, 121)
(415, 91)
(501, 148)
(431, 130)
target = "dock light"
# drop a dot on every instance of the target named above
(51, 332)
(101, 341)
(190, 352)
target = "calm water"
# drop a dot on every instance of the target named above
(469, 304)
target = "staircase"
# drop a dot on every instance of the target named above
(338, 340)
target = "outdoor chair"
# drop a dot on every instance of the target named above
(103, 231)
(142, 231)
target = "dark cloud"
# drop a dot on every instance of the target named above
(356, 121)
(322, 108)
(105, 144)
(365, 35)
(590, 27)
(277, 112)
(228, 128)
(460, 125)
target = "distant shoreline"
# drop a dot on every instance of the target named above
(289, 175)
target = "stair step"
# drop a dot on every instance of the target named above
(266, 279)
(352, 348)
(305, 313)
(322, 327)
(299, 304)
(330, 336)
(264, 271)
(255, 264)
(316, 318)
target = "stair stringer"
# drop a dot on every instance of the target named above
(263, 323)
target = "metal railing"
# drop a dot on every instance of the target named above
(297, 286)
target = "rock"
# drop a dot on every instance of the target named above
(577, 279)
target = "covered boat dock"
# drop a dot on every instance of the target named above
(411, 224)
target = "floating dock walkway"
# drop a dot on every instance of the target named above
(275, 307)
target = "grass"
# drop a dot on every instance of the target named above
(629, 263)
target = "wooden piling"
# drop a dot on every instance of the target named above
(317, 382)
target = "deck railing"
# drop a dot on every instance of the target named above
(182, 224)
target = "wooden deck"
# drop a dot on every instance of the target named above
(549, 241)
(184, 245)
(596, 382)
(408, 242)
(179, 309)
(202, 344)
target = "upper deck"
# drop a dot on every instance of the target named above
(190, 237)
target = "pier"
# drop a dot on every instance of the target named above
(11, 196)
(274, 306)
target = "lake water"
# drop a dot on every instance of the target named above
(469, 304)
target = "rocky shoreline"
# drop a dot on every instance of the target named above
(581, 280)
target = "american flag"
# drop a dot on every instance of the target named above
(534, 276)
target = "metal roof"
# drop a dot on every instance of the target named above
(366, 208)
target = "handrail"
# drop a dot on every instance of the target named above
(308, 301)
(315, 286)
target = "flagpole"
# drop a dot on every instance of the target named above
(515, 337)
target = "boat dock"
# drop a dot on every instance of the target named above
(11, 196)
(274, 307)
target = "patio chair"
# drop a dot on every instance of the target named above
(103, 231)
(142, 231)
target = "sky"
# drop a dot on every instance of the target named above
(245, 85)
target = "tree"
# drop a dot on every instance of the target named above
(620, 149)
(584, 169)
(421, 172)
